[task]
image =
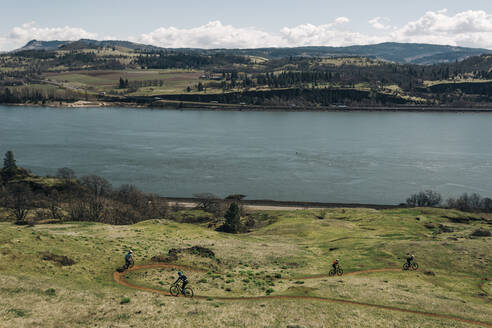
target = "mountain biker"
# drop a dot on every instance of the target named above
(184, 279)
(335, 264)
(410, 258)
(128, 257)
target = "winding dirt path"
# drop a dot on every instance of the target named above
(119, 277)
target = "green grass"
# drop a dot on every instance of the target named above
(270, 260)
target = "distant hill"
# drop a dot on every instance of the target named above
(413, 53)
(84, 44)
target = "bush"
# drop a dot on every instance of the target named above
(481, 233)
(426, 198)
(125, 300)
(50, 292)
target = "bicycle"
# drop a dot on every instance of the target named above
(338, 271)
(412, 266)
(176, 289)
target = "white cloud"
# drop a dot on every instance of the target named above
(467, 28)
(211, 35)
(379, 23)
(216, 35)
(471, 28)
(20, 35)
(342, 20)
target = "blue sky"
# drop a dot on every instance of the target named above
(249, 23)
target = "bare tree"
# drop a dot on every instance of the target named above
(19, 201)
(53, 202)
(426, 198)
(96, 186)
(210, 203)
(66, 174)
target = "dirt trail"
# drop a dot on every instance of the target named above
(120, 278)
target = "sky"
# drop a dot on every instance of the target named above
(248, 24)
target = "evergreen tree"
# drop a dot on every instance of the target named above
(233, 219)
(9, 161)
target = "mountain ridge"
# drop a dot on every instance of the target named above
(410, 53)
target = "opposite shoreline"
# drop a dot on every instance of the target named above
(175, 105)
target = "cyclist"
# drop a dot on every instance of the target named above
(335, 264)
(184, 279)
(128, 257)
(410, 258)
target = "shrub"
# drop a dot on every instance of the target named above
(50, 292)
(125, 300)
(481, 233)
(426, 198)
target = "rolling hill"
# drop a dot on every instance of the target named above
(414, 53)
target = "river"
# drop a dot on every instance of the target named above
(365, 157)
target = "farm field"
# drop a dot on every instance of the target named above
(174, 81)
(288, 258)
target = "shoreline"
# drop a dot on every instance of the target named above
(279, 204)
(176, 105)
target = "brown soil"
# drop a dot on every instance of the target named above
(62, 260)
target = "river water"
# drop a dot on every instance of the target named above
(368, 157)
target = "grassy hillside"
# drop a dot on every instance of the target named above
(273, 260)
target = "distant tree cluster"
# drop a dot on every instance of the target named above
(466, 202)
(164, 60)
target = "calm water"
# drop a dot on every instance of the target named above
(333, 157)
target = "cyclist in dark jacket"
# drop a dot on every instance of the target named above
(410, 258)
(128, 257)
(184, 280)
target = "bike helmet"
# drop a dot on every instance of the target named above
(180, 273)
(338, 260)
(130, 251)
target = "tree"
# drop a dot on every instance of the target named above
(10, 168)
(96, 185)
(426, 198)
(9, 161)
(233, 219)
(97, 188)
(19, 201)
(53, 202)
(66, 174)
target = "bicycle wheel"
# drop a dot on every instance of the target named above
(174, 290)
(332, 272)
(339, 271)
(131, 264)
(405, 266)
(415, 265)
(188, 292)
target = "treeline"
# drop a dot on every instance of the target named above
(35, 95)
(319, 96)
(164, 60)
(466, 202)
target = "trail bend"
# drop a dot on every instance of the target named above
(119, 277)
